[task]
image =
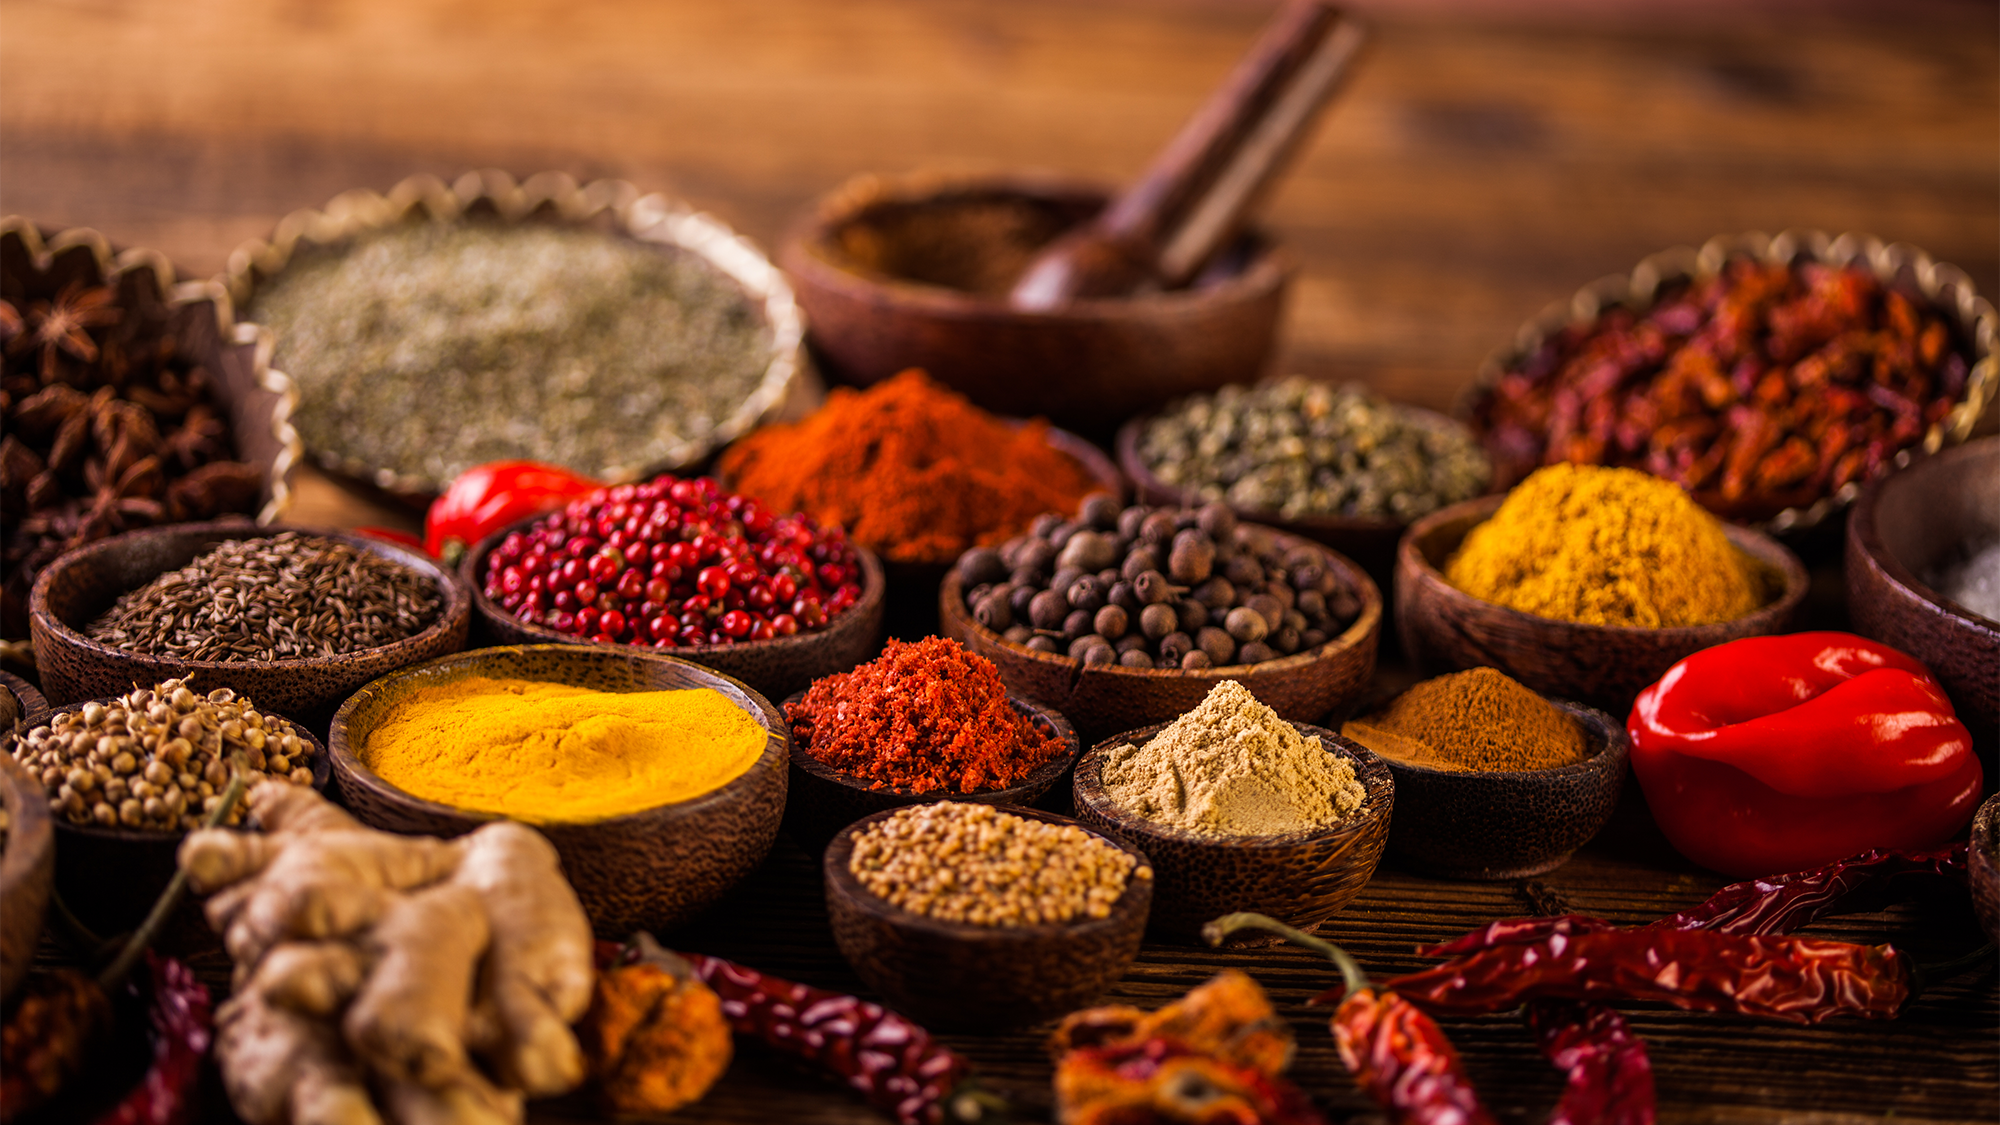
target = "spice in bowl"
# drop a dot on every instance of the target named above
(1478, 719)
(674, 562)
(1972, 580)
(157, 758)
(914, 471)
(1232, 767)
(960, 862)
(287, 597)
(924, 717)
(1601, 546)
(1298, 448)
(1144, 587)
(553, 753)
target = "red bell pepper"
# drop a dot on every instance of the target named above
(486, 498)
(1775, 754)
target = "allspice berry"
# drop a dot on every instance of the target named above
(1157, 621)
(1246, 625)
(1112, 621)
(1193, 558)
(1048, 610)
(980, 566)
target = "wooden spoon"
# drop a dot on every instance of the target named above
(1165, 226)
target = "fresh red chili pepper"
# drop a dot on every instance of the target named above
(486, 498)
(1398, 1055)
(391, 535)
(1783, 753)
(1610, 1075)
(1781, 904)
(183, 1019)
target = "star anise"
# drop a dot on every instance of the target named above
(63, 325)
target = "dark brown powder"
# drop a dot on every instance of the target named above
(1472, 720)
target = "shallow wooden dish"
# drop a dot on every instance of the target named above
(81, 585)
(1300, 879)
(1105, 698)
(1984, 861)
(27, 869)
(648, 870)
(773, 668)
(957, 975)
(899, 273)
(34, 706)
(1444, 629)
(823, 799)
(1902, 526)
(1505, 824)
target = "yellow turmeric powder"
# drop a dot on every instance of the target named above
(1604, 546)
(546, 752)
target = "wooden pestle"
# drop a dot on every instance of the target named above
(1161, 230)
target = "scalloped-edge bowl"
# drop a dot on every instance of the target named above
(27, 871)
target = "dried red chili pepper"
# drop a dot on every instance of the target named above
(183, 1019)
(1398, 1055)
(1779, 904)
(1610, 1075)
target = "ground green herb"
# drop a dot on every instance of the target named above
(428, 348)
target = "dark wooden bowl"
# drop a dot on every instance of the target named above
(773, 668)
(1444, 629)
(33, 706)
(1503, 824)
(78, 587)
(914, 272)
(1104, 698)
(824, 799)
(110, 877)
(27, 868)
(1984, 861)
(958, 975)
(1902, 526)
(1301, 879)
(648, 870)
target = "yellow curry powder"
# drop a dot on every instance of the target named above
(1604, 546)
(551, 752)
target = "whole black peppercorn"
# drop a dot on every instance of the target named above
(1196, 659)
(1043, 644)
(1077, 624)
(1099, 510)
(1121, 594)
(1112, 621)
(980, 566)
(1158, 620)
(1219, 645)
(994, 613)
(1048, 610)
(1086, 593)
(1192, 559)
(1173, 646)
(1218, 521)
(1246, 624)
(1193, 615)
(1136, 658)
(1256, 652)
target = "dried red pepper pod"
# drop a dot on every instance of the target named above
(1610, 1075)
(1779, 904)
(1398, 1055)
(485, 498)
(1782, 753)
(183, 1024)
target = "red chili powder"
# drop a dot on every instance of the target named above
(923, 716)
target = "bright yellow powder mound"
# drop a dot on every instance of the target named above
(554, 753)
(1604, 546)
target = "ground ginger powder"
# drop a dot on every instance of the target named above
(547, 752)
(1232, 767)
(1603, 546)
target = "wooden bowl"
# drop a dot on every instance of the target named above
(1504, 824)
(1101, 699)
(1301, 879)
(773, 668)
(648, 870)
(32, 707)
(824, 799)
(1983, 858)
(1444, 629)
(913, 272)
(77, 588)
(110, 877)
(958, 975)
(1904, 525)
(27, 867)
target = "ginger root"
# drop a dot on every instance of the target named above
(368, 961)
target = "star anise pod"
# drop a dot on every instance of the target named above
(63, 325)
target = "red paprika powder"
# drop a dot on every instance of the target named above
(925, 717)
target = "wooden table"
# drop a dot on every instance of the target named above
(1487, 160)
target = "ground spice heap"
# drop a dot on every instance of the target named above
(1606, 547)
(962, 862)
(1473, 720)
(283, 598)
(1232, 767)
(923, 717)
(914, 472)
(549, 752)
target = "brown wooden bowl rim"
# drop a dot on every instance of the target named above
(807, 254)
(1132, 901)
(348, 764)
(1604, 737)
(951, 609)
(1043, 775)
(322, 769)
(453, 603)
(1863, 534)
(1088, 790)
(1757, 544)
(1152, 490)
(874, 588)
(31, 839)
(35, 709)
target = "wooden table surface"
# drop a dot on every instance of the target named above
(1487, 159)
